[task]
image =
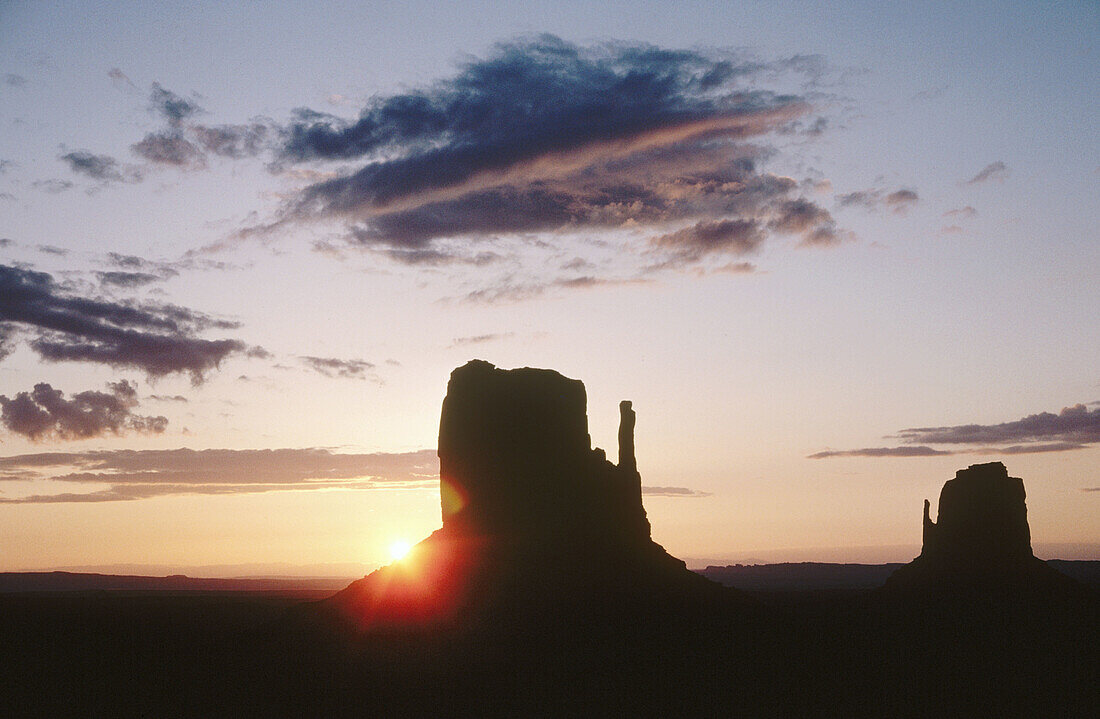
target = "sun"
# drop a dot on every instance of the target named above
(399, 549)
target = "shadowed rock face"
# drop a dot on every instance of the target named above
(516, 461)
(981, 536)
(982, 519)
(534, 518)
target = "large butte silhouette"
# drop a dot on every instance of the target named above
(535, 520)
(980, 540)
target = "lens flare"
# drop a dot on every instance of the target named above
(399, 549)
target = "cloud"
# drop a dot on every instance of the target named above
(736, 237)
(45, 413)
(171, 106)
(120, 79)
(1090, 489)
(544, 135)
(132, 263)
(1073, 428)
(480, 339)
(128, 280)
(185, 144)
(99, 167)
(962, 213)
(139, 474)
(168, 398)
(236, 141)
(13, 80)
(881, 452)
(673, 492)
(156, 339)
(332, 367)
(169, 148)
(899, 201)
(993, 171)
(54, 187)
(508, 290)
(1076, 424)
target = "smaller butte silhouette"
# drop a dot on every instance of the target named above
(535, 520)
(980, 540)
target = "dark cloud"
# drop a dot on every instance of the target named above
(236, 141)
(545, 135)
(164, 270)
(45, 413)
(99, 167)
(800, 216)
(171, 106)
(1076, 424)
(993, 171)
(52, 250)
(128, 280)
(8, 337)
(13, 80)
(1090, 489)
(1073, 428)
(735, 237)
(156, 339)
(137, 474)
(169, 148)
(332, 367)
(168, 398)
(881, 452)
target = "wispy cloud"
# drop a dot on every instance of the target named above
(156, 339)
(480, 339)
(961, 213)
(899, 201)
(139, 474)
(993, 171)
(673, 492)
(881, 452)
(103, 168)
(1073, 428)
(333, 367)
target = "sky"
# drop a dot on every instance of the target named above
(832, 252)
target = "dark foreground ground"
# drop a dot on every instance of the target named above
(839, 652)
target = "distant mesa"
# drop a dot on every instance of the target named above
(532, 513)
(981, 538)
